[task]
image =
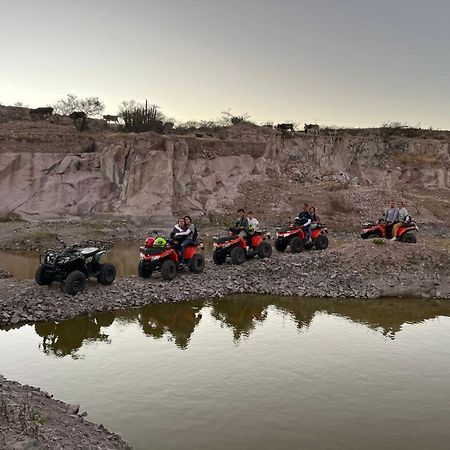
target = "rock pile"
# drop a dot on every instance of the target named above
(32, 419)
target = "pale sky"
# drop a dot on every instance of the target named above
(347, 62)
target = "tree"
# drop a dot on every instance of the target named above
(91, 106)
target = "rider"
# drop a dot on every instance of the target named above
(252, 228)
(304, 219)
(402, 215)
(241, 225)
(178, 228)
(391, 217)
(188, 236)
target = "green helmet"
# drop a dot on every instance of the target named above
(250, 229)
(160, 242)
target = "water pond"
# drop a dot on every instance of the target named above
(255, 372)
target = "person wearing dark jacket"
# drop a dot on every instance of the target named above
(304, 219)
(180, 227)
(188, 236)
(241, 224)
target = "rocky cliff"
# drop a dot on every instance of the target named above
(49, 170)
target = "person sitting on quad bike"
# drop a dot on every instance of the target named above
(403, 218)
(304, 219)
(252, 228)
(189, 236)
(391, 217)
(241, 225)
(180, 227)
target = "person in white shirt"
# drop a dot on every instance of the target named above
(253, 221)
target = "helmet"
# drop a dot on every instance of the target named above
(250, 229)
(149, 242)
(160, 242)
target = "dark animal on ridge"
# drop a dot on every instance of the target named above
(79, 119)
(42, 112)
(110, 118)
(312, 129)
(285, 127)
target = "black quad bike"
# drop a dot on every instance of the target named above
(73, 266)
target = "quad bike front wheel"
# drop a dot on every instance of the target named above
(75, 282)
(280, 245)
(237, 255)
(42, 276)
(321, 242)
(265, 250)
(408, 238)
(297, 245)
(219, 258)
(144, 272)
(107, 274)
(168, 270)
(197, 263)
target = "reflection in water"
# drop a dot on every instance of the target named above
(177, 321)
(65, 338)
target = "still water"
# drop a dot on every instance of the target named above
(251, 372)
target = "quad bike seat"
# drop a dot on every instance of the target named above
(88, 251)
(221, 240)
(153, 250)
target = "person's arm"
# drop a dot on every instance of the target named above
(183, 233)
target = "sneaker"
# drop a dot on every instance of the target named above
(394, 239)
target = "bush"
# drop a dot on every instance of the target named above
(91, 106)
(140, 118)
(378, 241)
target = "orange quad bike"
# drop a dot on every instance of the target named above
(295, 237)
(166, 259)
(405, 234)
(235, 247)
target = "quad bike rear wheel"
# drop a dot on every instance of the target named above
(280, 245)
(408, 238)
(265, 250)
(43, 277)
(237, 255)
(197, 263)
(75, 282)
(297, 245)
(219, 258)
(107, 274)
(168, 270)
(321, 242)
(144, 272)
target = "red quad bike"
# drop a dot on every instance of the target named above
(295, 237)
(236, 248)
(167, 259)
(380, 229)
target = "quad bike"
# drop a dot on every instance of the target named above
(405, 234)
(166, 259)
(296, 238)
(236, 248)
(73, 266)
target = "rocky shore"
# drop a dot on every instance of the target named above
(32, 419)
(360, 269)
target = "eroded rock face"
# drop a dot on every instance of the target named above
(157, 176)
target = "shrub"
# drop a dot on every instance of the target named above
(378, 241)
(140, 118)
(91, 106)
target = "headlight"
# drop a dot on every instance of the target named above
(154, 258)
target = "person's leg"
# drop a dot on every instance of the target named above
(308, 233)
(184, 244)
(248, 239)
(395, 230)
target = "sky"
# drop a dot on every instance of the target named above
(345, 63)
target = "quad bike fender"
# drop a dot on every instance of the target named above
(98, 256)
(256, 240)
(405, 229)
(191, 250)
